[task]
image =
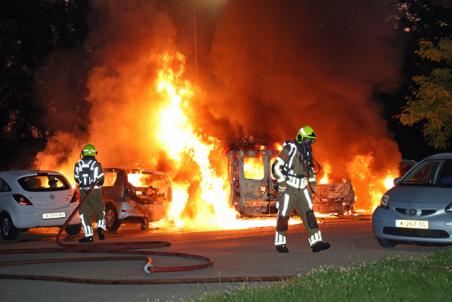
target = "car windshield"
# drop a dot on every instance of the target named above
(430, 173)
(44, 183)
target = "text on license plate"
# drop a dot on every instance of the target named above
(53, 215)
(413, 224)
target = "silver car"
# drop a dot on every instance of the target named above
(132, 195)
(419, 207)
(31, 199)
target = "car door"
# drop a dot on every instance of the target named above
(255, 181)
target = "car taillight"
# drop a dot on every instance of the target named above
(449, 208)
(75, 197)
(384, 202)
(22, 200)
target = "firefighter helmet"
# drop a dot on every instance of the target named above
(89, 150)
(305, 132)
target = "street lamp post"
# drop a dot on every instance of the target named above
(195, 40)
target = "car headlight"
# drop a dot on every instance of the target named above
(449, 208)
(384, 202)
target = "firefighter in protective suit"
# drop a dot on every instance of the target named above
(89, 175)
(293, 170)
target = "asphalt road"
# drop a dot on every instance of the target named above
(235, 253)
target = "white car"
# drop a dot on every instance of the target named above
(32, 199)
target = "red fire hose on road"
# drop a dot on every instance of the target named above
(129, 251)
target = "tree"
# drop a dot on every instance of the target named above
(29, 32)
(431, 99)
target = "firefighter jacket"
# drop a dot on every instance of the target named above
(88, 173)
(293, 166)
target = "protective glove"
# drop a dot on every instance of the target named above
(280, 188)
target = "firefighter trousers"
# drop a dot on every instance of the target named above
(301, 200)
(93, 205)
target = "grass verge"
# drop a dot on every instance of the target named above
(391, 279)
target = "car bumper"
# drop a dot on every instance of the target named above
(332, 206)
(152, 211)
(32, 217)
(439, 227)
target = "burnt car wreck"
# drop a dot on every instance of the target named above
(132, 195)
(334, 198)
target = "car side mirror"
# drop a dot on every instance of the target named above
(397, 180)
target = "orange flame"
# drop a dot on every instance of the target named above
(326, 171)
(181, 140)
(203, 201)
(369, 185)
(253, 167)
(278, 146)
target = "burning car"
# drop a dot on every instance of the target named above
(135, 196)
(334, 198)
(253, 192)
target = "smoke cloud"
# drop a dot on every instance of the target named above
(266, 69)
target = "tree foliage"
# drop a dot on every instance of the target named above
(29, 32)
(431, 99)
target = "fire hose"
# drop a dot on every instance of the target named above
(127, 251)
(133, 250)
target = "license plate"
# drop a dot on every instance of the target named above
(53, 215)
(412, 224)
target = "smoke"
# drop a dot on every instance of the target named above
(269, 68)
(281, 64)
(122, 47)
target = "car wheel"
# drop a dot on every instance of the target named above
(7, 228)
(73, 229)
(386, 243)
(144, 224)
(111, 218)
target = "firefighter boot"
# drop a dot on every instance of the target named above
(320, 246)
(86, 239)
(101, 226)
(282, 248)
(88, 230)
(100, 233)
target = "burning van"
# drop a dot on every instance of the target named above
(252, 185)
(253, 192)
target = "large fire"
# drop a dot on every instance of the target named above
(211, 209)
(182, 141)
(369, 185)
(202, 200)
